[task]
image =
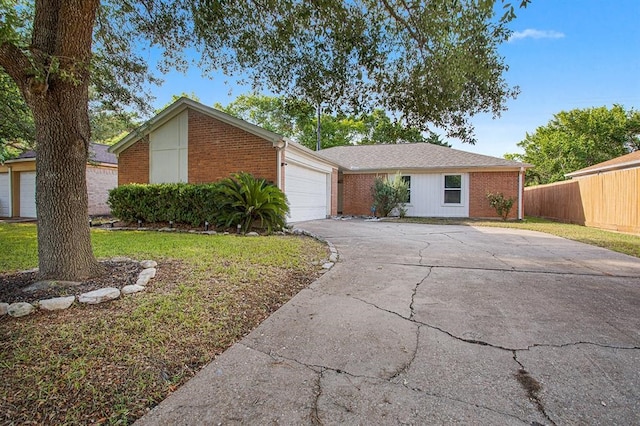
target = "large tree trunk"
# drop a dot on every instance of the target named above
(64, 240)
(53, 77)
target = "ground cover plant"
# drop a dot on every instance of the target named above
(109, 363)
(622, 243)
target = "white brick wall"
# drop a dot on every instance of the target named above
(99, 181)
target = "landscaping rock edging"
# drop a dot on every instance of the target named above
(21, 309)
(333, 257)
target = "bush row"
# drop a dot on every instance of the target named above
(238, 201)
(186, 203)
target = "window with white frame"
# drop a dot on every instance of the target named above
(453, 189)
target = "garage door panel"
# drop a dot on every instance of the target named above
(306, 191)
(5, 195)
(28, 194)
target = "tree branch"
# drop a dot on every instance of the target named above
(15, 63)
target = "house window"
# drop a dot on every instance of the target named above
(453, 189)
(407, 180)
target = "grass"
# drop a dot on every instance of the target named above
(622, 243)
(110, 363)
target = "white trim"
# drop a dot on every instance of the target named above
(462, 190)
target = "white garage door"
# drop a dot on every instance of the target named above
(306, 190)
(5, 195)
(28, 194)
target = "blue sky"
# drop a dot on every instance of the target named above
(564, 54)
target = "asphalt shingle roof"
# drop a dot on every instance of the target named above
(625, 161)
(411, 156)
(97, 153)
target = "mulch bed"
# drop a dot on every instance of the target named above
(117, 274)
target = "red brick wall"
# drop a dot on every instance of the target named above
(356, 190)
(133, 163)
(99, 181)
(217, 149)
(480, 183)
(334, 192)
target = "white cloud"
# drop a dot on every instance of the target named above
(535, 34)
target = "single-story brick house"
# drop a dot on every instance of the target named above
(191, 142)
(443, 182)
(18, 183)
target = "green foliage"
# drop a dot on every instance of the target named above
(285, 116)
(389, 194)
(297, 119)
(501, 204)
(108, 127)
(178, 202)
(17, 130)
(577, 139)
(429, 61)
(245, 200)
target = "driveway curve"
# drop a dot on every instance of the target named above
(430, 324)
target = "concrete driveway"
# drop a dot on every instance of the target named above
(423, 324)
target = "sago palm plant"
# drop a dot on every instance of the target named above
(245, 200)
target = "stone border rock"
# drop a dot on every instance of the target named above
(21, 309)
(333, 257)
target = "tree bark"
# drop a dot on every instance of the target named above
(53, 77)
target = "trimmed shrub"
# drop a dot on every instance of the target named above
(191, 204)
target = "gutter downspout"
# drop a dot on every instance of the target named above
(521, 194)
(281, 145)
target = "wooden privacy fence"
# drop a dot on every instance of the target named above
(607, 200)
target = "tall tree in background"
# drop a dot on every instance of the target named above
(577, 139)
(17, 131)
(431, 61)
(296, 119)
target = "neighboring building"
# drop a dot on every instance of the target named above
(605, 195)
(18, 183)
(443, 182)
(190, 142)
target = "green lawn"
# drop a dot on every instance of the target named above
(108, 363)
(623, 243)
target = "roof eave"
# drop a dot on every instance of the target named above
(179, 106)
(434, 168)
(621, 166)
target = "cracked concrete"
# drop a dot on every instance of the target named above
(423, 324)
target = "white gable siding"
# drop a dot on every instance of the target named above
(168, 148)
(427, 196)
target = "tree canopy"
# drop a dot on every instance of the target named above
(297, 119)
(579, 138)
